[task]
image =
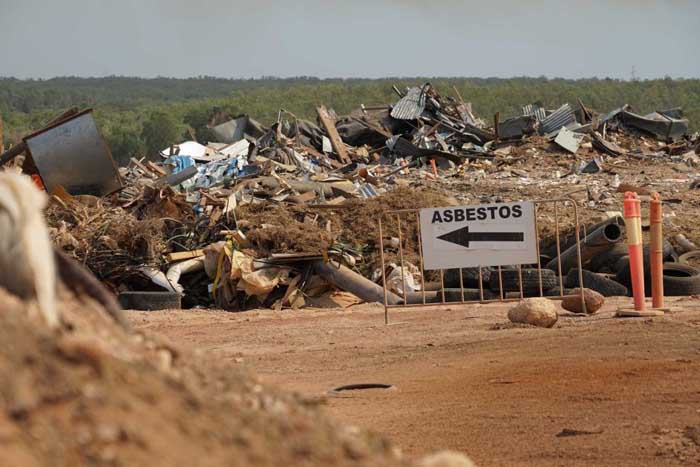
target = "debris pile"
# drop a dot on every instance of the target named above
(244, 221)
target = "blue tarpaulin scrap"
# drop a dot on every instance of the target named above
(180, 162)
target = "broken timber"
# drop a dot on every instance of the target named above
(337, 143)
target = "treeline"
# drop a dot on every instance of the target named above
(138, 115)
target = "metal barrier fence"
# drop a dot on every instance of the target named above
(422, 299)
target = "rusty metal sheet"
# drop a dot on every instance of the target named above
(73, 154)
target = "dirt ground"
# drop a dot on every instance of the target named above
(590, 391)
(91, 393)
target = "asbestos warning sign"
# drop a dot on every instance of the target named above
(483, 235)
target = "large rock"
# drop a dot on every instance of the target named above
(446, 459)
(594, 301)
(538, 311)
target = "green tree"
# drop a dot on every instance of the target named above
(160, 130)
(125, 143)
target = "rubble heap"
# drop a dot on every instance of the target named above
(244, 221)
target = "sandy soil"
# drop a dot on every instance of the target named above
(91, 393)
(591, 391)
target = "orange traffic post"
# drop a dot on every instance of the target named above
(656, 251)
(434, 166)
(633, 224)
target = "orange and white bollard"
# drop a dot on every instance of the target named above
(633, 224)
(656, 252)
(434, 166)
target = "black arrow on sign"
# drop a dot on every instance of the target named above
(463, 237)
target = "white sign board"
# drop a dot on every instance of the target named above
(483, 235)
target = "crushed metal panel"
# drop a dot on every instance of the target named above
(516, 127)
(411, 106)
(569, 140)
(612, 115)
(663, 127)
(404, 148)
(563, 116)
(676, 112)
(73, 154)
(607, 147)
(231, 131)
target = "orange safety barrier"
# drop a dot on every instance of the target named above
(633, 224)
(656, 251)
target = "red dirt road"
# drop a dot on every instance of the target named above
(626, 392)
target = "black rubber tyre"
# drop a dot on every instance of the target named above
(623, 264)
(455, 295)
(149, 301)
(606, 261)
(470, 277)
(556, 292)
(598, 282)
(688, 257)
(451, 296)
(681, 280)
(531, 281)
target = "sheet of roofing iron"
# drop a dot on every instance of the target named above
(536, 110)
(563, 116)
(411, 106)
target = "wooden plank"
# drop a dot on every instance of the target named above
(143, 168)
(180, 255)
(157, 169)
(337, 143)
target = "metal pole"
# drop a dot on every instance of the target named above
(381, 254)
(520, 281)
(500, 283)
(420, 256)
(537, 245)
(442, 284)
(580, 265)
(481, 285)
(556, 231)
(403, 269)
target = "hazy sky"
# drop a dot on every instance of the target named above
(350, 38)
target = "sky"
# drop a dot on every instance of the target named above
(351, 38)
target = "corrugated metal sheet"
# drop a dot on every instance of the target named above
(368, 191)
(563, 116)
(410, 106)
(536, 110)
